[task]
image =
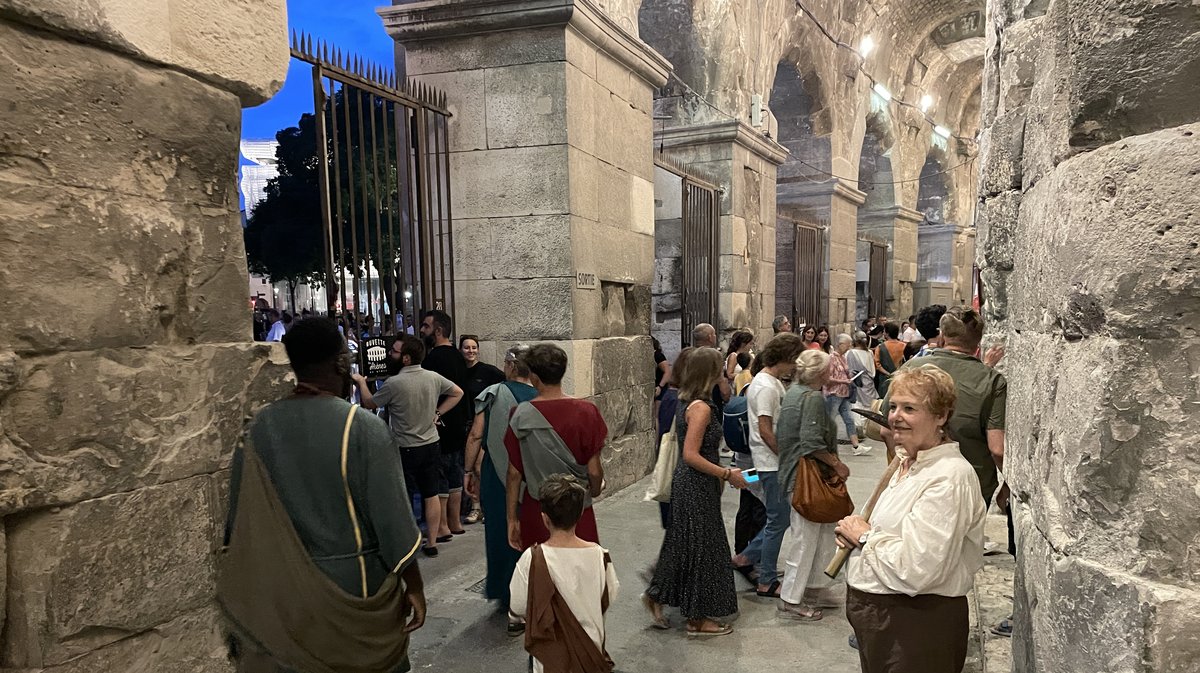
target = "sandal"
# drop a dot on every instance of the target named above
(1004, 628)
(515, 628)
(799, 613)
(720, 630)
(771, 592)
(657, 619)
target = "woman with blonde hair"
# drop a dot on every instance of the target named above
(693, 571)
(806, 432)
(915, 562)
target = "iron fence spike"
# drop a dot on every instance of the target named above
(308, 50)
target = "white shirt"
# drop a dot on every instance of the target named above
(580, 577)
(861, 360)
(926, 531)
(910, 333)
(277, 331)
(764, 396)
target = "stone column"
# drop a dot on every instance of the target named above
(552, 177)
(897, 227)
(743, 161)
(836, 202)
(126, 366)
(1089, 186)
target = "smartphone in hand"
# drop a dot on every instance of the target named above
(750, 475)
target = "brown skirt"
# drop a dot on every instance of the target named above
(909, 634)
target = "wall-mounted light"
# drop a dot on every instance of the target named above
(866, 46)
(942, 131)
(926, 102)
(882, 91)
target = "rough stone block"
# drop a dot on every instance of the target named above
(581, 119)
(467, 101)
(84, 424)
(1082, 436)
(515, 309)
(627, 459)
(527, 105)
(584, 172)
(641, 206)
(239, 46)
(1128, 624)
(88, 126)
(141, 271)
(615, 192)
(194, 642)
(123, 564)
(491, 50)
(622, 363)
(537, 246)
(1105, 102)
(510, 182)
(1022, 47)
(1003, 146)
(1130, 252)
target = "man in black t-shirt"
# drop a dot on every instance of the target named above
(443, 358)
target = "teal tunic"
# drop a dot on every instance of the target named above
(299, 441)
(501, 558)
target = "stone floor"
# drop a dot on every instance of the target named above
(465, 634)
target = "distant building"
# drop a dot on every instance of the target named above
(255, 176)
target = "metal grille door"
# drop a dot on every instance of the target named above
(808, 295)
(383, 159)
(701, 213)
(877, 283)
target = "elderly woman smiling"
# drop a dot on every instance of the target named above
(915, 562)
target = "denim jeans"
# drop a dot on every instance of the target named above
(841, 406)
(763, 550)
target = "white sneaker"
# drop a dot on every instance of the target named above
(860, 450)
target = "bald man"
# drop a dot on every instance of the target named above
(704, 335)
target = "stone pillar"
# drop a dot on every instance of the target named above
(125, 352)
(1089, 187)
(946, 254)
(552, 177)
(836, 202)
(897, 227)
(743, 161)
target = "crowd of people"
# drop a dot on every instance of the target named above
(506, 446)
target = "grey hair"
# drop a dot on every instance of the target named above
(810, 366)
(778, 322)
(860, 339)
(843, 338)
(518, 353)
(701, 332)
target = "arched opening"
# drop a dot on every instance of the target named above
(873, 287)
(933, 192)
(802, 220)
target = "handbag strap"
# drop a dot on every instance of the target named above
(358, 542)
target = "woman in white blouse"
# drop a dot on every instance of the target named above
(913, 565)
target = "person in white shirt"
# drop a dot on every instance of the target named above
(763, 398)
(277, 327)
(914, 563)
(567, 633)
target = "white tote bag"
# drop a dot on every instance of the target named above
(664, 467)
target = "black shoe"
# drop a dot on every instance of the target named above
(853, 641)
(445, 538)
(430, 551)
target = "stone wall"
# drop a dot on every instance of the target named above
(1088, 241)
(126, 368)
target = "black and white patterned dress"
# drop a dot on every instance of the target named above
(694, 572)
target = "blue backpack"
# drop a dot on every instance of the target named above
(735, 424)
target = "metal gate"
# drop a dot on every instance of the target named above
(701, 213)
(877, 282)
(808, 293)
(383, 160)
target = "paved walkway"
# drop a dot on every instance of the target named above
(466, 634)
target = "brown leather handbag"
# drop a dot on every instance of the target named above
(820, 495)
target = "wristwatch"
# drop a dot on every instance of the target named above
(862, 539)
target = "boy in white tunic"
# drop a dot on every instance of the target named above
(563, 587)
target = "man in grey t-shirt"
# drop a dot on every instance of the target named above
(411, 398)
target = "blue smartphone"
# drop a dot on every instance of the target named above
(750, 475)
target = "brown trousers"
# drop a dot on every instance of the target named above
(903, 634)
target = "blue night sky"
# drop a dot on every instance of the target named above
(350, 24)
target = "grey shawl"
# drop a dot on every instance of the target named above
(543, 452)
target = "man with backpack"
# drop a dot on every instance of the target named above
(763, 399)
